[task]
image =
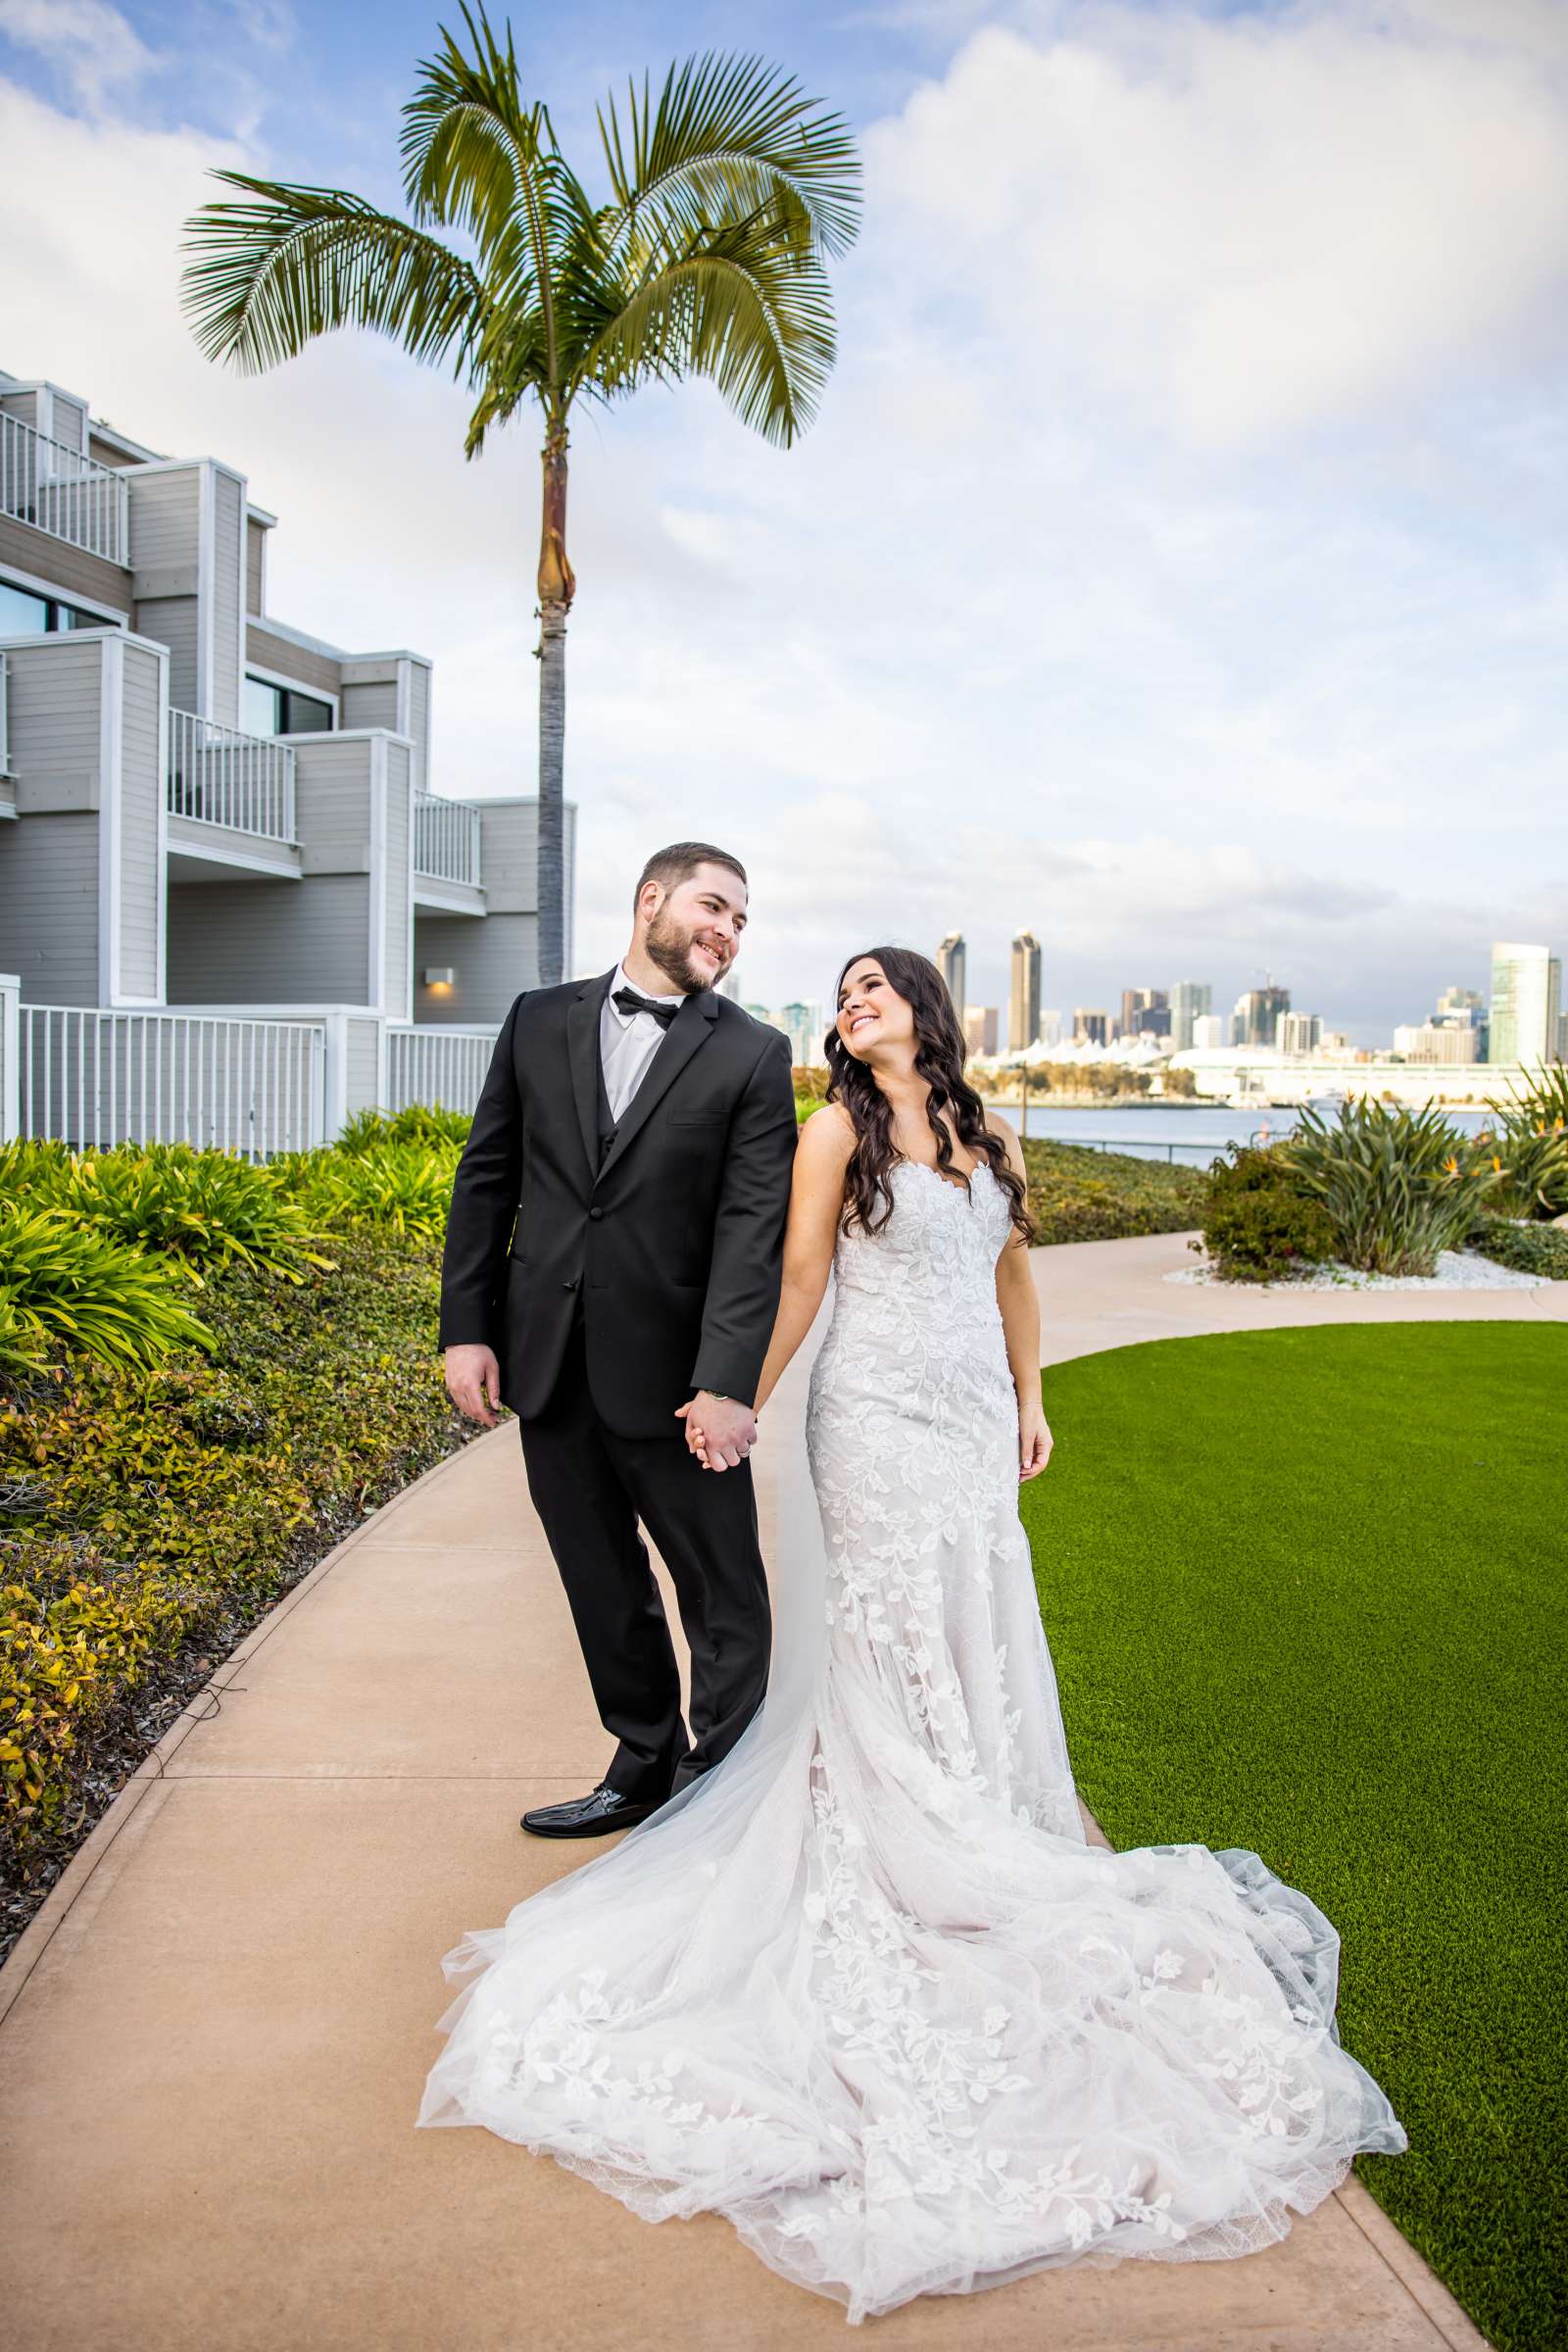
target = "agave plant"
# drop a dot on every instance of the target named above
(724, 195)
(1398, 1185)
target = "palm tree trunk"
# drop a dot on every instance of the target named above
(556, 587)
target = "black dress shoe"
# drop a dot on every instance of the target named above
(592, 1816)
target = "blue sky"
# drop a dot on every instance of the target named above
(1177, 566)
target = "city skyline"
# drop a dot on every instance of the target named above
(1522, 1017)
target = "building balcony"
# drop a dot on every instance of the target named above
(59, 491)
(230, 796)
(446, 855)
(7, 788)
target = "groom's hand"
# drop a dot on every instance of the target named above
(727, 1429)
(473, 1383)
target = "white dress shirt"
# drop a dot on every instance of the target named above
(628, 1042)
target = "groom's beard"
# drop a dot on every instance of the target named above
(669, 945)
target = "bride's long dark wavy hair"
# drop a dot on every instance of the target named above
(939, 1053)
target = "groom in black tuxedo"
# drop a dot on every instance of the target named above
(612, 1255)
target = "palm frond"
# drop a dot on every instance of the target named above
(511, 361)
(475, 157)
(742, 307)
(726, 137)
(296, 263)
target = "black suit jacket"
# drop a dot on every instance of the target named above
(673, 1238)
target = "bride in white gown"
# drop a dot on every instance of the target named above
(865, 1989)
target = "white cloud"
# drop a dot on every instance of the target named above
(1238, 228)
(96, 50)
(1176, 566)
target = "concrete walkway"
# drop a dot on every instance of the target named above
(214, 2037)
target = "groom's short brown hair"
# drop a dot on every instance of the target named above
(678, 864)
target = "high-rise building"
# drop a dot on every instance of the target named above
(1145, 1012)
(804, 1027)
(980, 1026)
(1451, 1043)
(1090, 1027)
(1465, 1008)
(1257, 1014)
(1298, 1031)
(952, 964)
(1209, 1031)
(1024, 1002)
(1526, 1000)
(1048, 1031)
(1190, 1001)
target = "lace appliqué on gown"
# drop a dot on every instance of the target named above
(896, 2018)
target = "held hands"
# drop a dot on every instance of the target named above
(719, 1431)
(1033, 1438)
(473, 1383)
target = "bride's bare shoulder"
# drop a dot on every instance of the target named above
(1007, 1135)
(827, 1137)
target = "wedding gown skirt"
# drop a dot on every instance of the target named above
(868, 1992)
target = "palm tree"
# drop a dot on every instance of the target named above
(727, 193)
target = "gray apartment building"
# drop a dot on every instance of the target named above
(232, 904)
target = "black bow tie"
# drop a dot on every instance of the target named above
(629, 1001)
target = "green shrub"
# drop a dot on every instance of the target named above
(1076, 1195)
(1260, 1221)
(420, 1123)
(1397, 1185)
(403, 1187)
(1528, 1248)
(64, 1286)
(208, 1208)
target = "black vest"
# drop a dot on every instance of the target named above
(607, 1124)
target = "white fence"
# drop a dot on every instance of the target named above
(274, 1079)
(446, 839)
(439, 1067)
(245, 782)
(59, 491)
(94, 1077)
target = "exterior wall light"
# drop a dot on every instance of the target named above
(438, 975)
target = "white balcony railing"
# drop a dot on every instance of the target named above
(446, 839)
(94, 1077)
(245, 782)
(442, 1069)
(59, 491)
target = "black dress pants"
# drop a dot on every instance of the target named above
(590, 1488)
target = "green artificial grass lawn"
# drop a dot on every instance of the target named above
(1305, 1593)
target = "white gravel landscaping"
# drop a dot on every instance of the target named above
(1458, 1270)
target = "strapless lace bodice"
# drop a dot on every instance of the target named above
(935, 1260)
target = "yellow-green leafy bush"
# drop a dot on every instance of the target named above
(149, 1514)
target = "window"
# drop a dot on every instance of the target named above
(28, 612)
(270, 709)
